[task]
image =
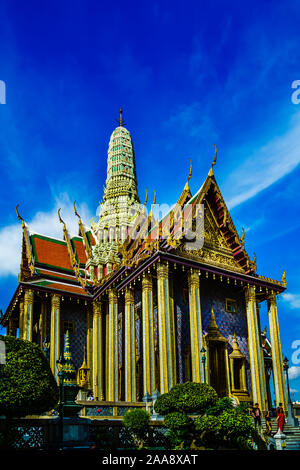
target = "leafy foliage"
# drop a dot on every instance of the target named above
(217, 424)
(189, 397)
(137, 421)
(221, 405)
(27, 385)
(176, 420)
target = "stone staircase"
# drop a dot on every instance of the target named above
(292, 434)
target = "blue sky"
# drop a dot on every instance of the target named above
(188, 75)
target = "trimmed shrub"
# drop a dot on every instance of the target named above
(137, 421)
(189, 397)
(27, 385)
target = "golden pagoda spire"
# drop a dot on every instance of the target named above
(211, 173)
(213, 323)
(121, 120)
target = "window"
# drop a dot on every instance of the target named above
(68, 326)
(231, 306)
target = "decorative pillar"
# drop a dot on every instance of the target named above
(97, 352)
(113, 357)
(167, 359)
(130, 347)
(148, 336)
(89, 340)
(55, 333)
(195, 326)
(28, 315)
(43, 322)
(21, 319)
(277, 357)
(257, 367)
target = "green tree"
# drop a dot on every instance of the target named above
(27, 385)
(137, 421)
(196, 417)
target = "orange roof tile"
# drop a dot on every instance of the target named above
(51, 252)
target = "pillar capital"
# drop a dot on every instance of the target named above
(55, 300)
(97, 307)
(147, 282)
(272, 299)
(112, 295)
(162, 269)
(129, 295)
(28, 296)
(250, 293)
(193, 278)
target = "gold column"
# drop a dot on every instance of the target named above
(43, 322)
(130, 347)
(167, 358)
(148, 336)
(257, 368)
(195, 326)
(277, 357)
(55, 333)
(113, 356)
(21, 319)
(28, 315)
(89, 340)
(97, 351)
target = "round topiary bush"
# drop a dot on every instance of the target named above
(27, 385)
(189, 397)
(177, 420)
(137, 421)
(165, 404)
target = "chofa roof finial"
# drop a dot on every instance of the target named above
(213, 163)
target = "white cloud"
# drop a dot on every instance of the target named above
(294, 372)
(264, 166)
(45, 223)
(292, 299)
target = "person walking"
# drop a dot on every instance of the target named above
(280, 420)
(256, 413)
(268, 423)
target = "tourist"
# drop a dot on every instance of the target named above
(280, 420)
(256, 413)
(268, 423)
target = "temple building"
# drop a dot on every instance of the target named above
(144, 308)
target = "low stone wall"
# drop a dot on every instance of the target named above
(107, 409)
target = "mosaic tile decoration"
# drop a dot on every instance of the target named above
(76, 313)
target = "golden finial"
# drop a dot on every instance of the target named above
(75, 211)
(283, 278)
(60, 219)
(213, 163)
(19, 217)
(121, 121)
(189, 177)
(242, 239)
(154, 200)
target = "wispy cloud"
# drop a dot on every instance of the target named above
(264, 166)
(45, 223)
(293, 300)
(294, 372)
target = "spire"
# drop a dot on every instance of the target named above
(69, 368)
(120, 121)
(211, 173)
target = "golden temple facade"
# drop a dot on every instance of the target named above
(144, 307)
